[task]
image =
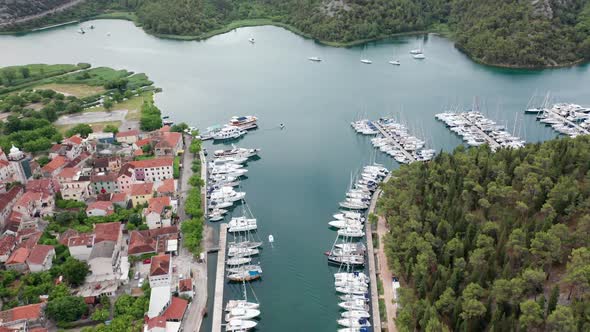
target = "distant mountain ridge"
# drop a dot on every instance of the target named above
(512, 33)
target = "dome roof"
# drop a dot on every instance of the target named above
(14, 149)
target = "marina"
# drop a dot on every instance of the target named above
(565, 118)
(476, 129)
(209, 81)
(394, 140)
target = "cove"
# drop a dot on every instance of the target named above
(304, 169)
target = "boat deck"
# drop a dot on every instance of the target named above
(385, 134)
(219, 280)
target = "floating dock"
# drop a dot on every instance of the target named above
(387, 135)
(219, 280)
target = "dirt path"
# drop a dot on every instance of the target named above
(386, 276)
(40, 15)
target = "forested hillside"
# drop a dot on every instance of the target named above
(524, 33)
(493, 241)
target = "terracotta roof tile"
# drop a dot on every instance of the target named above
(167, 186)
(27, 312)
(76, 139)
(143, 142)
(160, 265)
(68, 172)
(185, 285)
(19, 256)
(158, 321)
(83, 239)
(176, 309)
(39, 253)
(119, 197)
(157, 205)
(54, 164)
(64, 237)
(9, 196)
(150, 163)
(128, 133)
(142, 189)
(40, 185)
(107, 232)
(7, 243)
(101, 205)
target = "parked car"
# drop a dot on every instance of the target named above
(136, 275)
(147, 261)
(140, 282)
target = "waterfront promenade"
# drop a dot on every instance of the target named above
(219, 280)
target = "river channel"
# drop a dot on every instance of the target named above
(305, 168)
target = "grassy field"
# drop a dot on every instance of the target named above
(96, 126)
(132, 105)
(102, 75)
(78, 90)
(35, 74)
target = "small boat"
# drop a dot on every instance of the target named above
(81, 31)
(242, 224)
(234, 304)
(358, 304)
(217, 214)
(108, 34)
(249, 275)
(240, 325)
(353, 289)
(352, 260)
(351, 232)
(419, 56)
(356, 329)
(240, 313)
(245, 244)
(251, 40)
(352, 297)
(344, 223)
(349, 215)
(395, 63)
(314, 59)
(243, 268)
(238, 261)
(366, 61)
(271, 238)
(237, 152)
(242, 252)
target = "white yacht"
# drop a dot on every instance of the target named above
(419, 56)
(354, 322)
(238, 261)
(349, 215)
(356, 314)
(237, 152)
(234, 304)
(351, 232)
(242, 224)
(395, 63)
(244, 122)
(240, 325)
(314, 59)
(356, 304)
(345, 223)
(240, 313)
(229, 132)
(366, 61)
(242, 252)
(356, 289)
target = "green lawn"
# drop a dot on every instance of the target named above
(35, 74)
(102, 75)
(78, 90)
(132, 105)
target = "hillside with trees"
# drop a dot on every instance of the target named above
(493, 241)
(501, 32)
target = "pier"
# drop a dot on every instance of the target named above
(385, 134)
(372, 267)
(492, 142)
(570, 123)
(219, 280)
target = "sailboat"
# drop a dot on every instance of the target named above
(393, 61)
(251, 40)
(366, 61)
(419, 53)
(314, 59)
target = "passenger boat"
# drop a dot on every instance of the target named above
(240, 325)
(240, 313)
(244, 122)
(229, 133)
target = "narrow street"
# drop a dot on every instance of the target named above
(194, 315)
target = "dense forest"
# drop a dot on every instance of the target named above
(493, 241)
(527, 33)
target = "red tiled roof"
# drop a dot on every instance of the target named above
(157, 205)
(28, 238)
(56, 147)
(167, 186)
(107, 232)
(39, 253)
(29, 312)
(169, 140)
(150, 163)
(9, 196)
(64, 237)
(160, 265)
(84, 239)
(119, 197)
(68, 172)
(4, 163)
(18, 256)
(7, 243)
(40, 185)
(56, 163)
(111, 177)
(185, 285)
(140, 243)
(128, 133)
(138, 152)
(29, 197)
(76, 139)
(101, 205)
(164, 129)
(176, 309)
(142, 189)
(158, 321)
(143, 142)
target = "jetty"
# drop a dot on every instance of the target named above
(568, 119)
(491, 142)
(395, 142)
(219, 280)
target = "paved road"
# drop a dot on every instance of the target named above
(45, 13)
(385, 274)
(194, 316)
(92, 117)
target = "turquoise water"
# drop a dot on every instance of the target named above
(305, 169)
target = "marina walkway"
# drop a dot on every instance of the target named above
(219, 280)
(372, 269)
(493, 144)
(383, 271)
(384, 132)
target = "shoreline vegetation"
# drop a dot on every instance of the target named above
(509, 34)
